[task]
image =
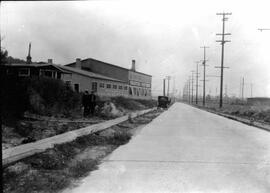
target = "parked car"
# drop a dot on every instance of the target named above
(163, 101)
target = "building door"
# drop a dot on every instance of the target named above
(94, 86)
(76, 87)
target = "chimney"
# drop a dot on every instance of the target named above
(50, 61)
(78, 63)
(133, 67)
(29, 58)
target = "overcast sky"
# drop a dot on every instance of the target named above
(164, 37)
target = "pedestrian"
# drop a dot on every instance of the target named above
(86, 103)
(92, 102)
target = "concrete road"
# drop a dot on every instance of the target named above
(187, 150)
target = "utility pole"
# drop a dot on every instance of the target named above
(251, 90)
(204, 64)
(169, 78)
(164, 86)
(243, 85)
(173, 89)
(192, 80)
(223, 41)
(197, 76)
(189, 89)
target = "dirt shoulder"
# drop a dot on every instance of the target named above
(64, 165)
(253, 113)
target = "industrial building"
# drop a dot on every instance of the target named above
(128, 82)
(261, 101)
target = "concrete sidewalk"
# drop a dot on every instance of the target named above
(19, 152)
(187, 150)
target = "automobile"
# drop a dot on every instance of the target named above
(163, 102)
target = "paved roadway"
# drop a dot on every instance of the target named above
(186, 150)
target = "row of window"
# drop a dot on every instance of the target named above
(114, 86)
(132, 91)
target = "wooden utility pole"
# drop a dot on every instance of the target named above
(223, 41)
(169, 78)
(197, 76)
(251, 90)
(189, 89)
(243, 85)
(192, 81)
(164, 86)
(204, 65)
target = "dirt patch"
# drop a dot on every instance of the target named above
(65, 164)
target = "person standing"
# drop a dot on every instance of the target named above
(86, 103)
(92, 102)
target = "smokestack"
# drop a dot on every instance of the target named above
(133, 67)
(50, 61)
(78, 63)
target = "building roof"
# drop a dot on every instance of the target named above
(108, 64)
(88, 74)
(35, 65)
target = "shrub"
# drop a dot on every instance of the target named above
(43, 96)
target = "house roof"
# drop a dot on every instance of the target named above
(108, 64)
(88, 74)
(36, 65)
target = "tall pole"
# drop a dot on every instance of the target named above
(192, 80)
(173, 88)
(189, 89)
(243, 85)
(169, 78)
(222, 55)
(251, 90)
(164, 87)
(204, 65)
(197, 76)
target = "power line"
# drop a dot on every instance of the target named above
(223, 41)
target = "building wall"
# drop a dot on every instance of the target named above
(139, 84)
(85, 83)
(259, 101)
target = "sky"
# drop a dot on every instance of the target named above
(164, 37)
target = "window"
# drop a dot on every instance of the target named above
(125, 87)
(48, 73)
(114, 86)
(94, 86)
(58, 75)
(24, 72)
(101, 85)
(120, 87)
(108, 86)
(76, 87)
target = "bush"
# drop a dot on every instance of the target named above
(43, 96)
(14, 99)
(133, 104)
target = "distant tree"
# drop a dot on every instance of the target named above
(4, 55)
(11, 60)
